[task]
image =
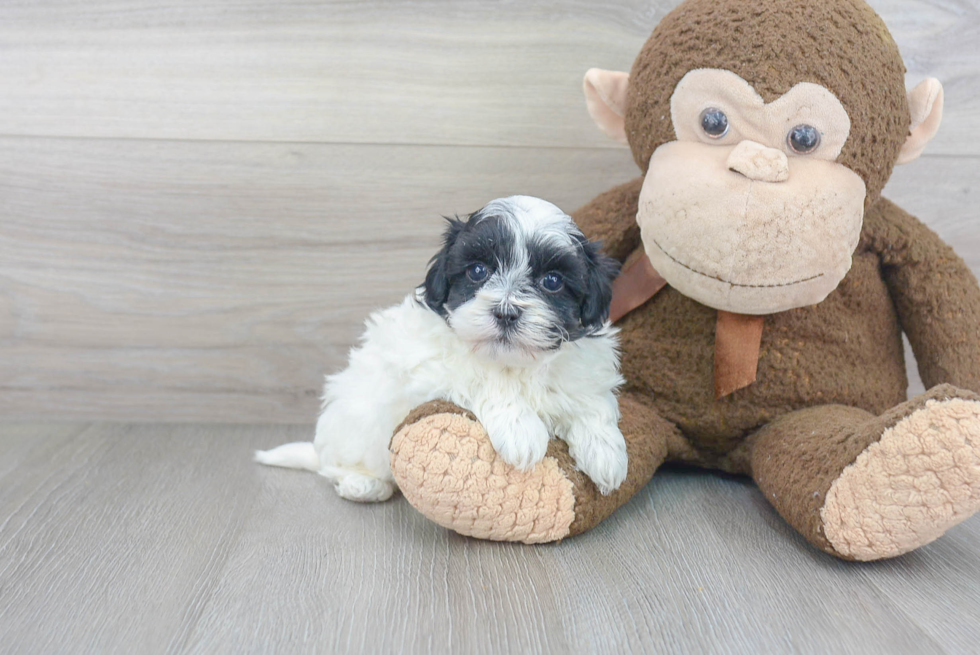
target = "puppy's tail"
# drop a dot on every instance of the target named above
(299, 455)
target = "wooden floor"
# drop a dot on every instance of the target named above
(167, 538)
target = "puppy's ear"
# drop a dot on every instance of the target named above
(437, 279)
(602, 270)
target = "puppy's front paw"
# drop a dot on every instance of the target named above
(521, 439)
(599, 452)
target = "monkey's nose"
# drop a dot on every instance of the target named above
(757, 162)
(506, 315)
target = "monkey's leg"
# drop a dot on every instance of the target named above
(863, 487)
(443, 462)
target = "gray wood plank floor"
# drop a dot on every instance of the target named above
(167, 538)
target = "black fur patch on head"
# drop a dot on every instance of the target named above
(598, 296)
(520, 262)
(582, 305)
(478, 239)
(437, 278)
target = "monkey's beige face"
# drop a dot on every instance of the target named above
(748, 211)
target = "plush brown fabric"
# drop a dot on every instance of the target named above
(831, 376)
(935, 293)
(447, 468)
(845, 352)
(613, 215)
(636, 284)
(840, 44)
(919, 479)
(797, 457)
(737, 341)
(825, 373)
(647, 437)
(431, 408)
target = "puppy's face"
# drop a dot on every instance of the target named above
(518, 278)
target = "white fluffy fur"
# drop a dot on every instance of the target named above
(522, 391)
(410, 355)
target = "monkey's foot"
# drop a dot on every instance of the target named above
(920, 479)
(445, 466)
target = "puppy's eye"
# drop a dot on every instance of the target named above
(477, 272)
(552, 282)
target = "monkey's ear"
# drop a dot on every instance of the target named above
(926, 107)
(605, 96)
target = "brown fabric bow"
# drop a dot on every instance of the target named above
(637, 283)
(738, 337)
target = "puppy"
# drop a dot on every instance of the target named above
(511, 323)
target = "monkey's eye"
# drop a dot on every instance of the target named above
(477, 272)
(803, 139)
(552, 282)
(714, 123)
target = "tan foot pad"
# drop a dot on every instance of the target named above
(920, 479)
(449, 471)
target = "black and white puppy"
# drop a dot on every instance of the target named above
(511, 323)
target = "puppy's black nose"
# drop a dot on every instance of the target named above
(507, 316)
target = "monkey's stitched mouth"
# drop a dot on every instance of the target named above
(734, 284)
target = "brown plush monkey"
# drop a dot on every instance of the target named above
(765, 132)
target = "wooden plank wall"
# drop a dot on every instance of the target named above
(200, 201)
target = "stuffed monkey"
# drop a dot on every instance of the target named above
(765, 289)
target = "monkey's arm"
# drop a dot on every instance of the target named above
(611, 218)
(935, 294)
